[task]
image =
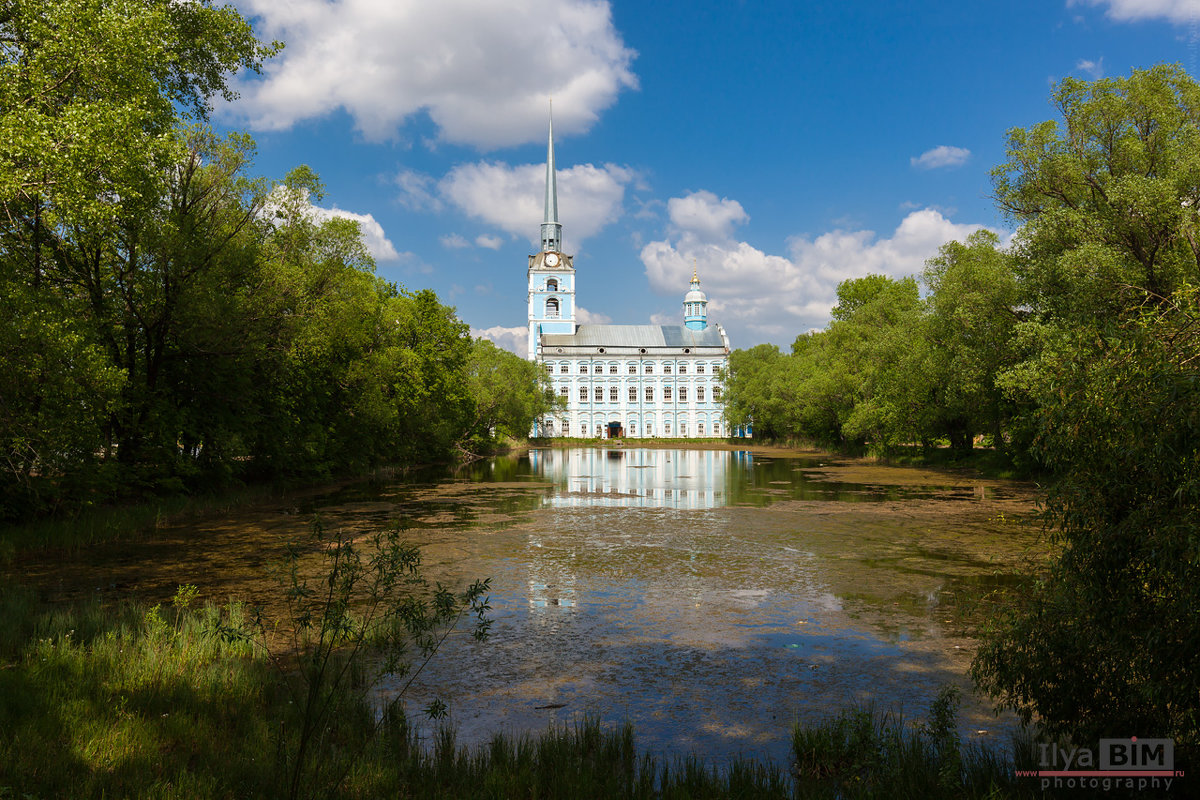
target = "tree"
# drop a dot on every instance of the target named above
(828, 391)
(879, 344)
(91, 94)
(756, 392)
(1108, 199)
(854, 383)
(166, 321)
(854, 293)
(973, 296)
(509, 393)
(1105, 641)
(361, 372)
(57, 390)
(91, 91)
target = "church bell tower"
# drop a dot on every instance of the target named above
(551, 272)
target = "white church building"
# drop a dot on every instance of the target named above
(621, 380)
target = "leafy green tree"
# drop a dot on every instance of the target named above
(143, 285)
(827, 390)
(167, 320)
(854, 293)
(436, 397)
(1107, 643)
(758, 393)
(57, 390)
(91, 91)
(91, 94)
(973, 298)
(364, 373)
(855, 383)
(1108, 198)
(509, 393)
(878, 340)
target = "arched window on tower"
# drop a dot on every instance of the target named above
(551, 284)
(552, 308)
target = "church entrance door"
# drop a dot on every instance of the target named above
(615, 431)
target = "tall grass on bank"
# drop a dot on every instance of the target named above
(866, 753)
(128, 701)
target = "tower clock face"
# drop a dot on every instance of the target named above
(552, 259)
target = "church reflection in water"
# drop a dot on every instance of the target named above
(638, 478)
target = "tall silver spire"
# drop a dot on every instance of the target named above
(551, 229)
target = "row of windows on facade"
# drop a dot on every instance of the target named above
(631, 428)
(631, 368)
(614, 395)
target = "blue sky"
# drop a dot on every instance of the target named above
(780, 146)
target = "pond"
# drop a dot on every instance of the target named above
(711, 597)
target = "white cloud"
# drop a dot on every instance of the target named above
(452, 241)
(941, 156)
(490, 242)
(585, 317)
(706, 217)
(483, 70)
(1176, 11)
(1093, 68)
(514, 340)
(511, 197)
(760, 297)
(417, 191)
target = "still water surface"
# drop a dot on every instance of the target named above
(711, 597)
(715, 597)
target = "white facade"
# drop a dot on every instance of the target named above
(621, 380)
(625, 380)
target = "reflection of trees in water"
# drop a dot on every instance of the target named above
(497, 468)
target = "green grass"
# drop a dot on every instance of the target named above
(128, 701)
(124, 701)
(864, 753)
